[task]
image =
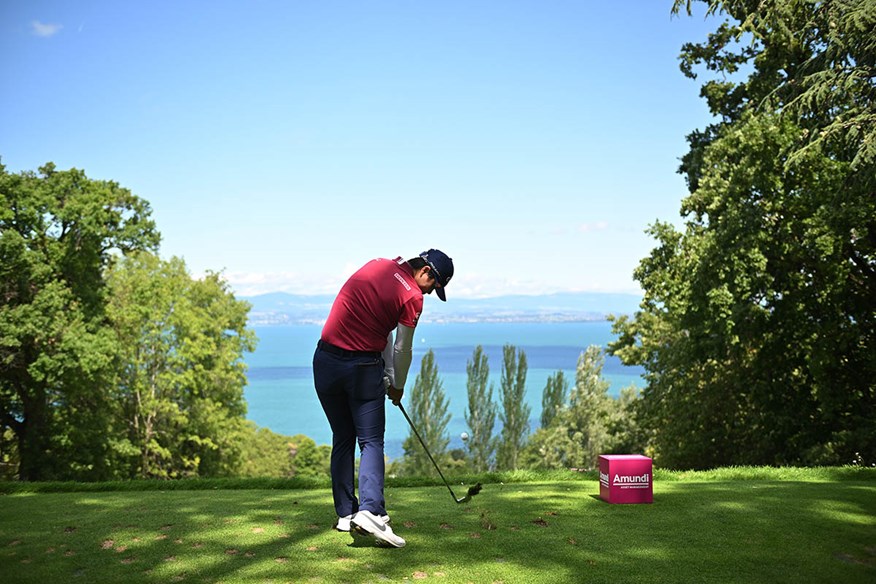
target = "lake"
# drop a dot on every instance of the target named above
(280, 394)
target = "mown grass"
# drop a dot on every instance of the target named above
(729, 525)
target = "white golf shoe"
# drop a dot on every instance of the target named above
(368, 524)
(343, 523)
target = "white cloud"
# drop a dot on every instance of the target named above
(590, 227)
(255, 283)
(41, 29)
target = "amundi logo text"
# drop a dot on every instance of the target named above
(625, 480)
(634, 481)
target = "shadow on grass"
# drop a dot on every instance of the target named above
(733, 531)
(720, 532)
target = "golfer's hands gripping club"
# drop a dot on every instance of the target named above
(394, 394)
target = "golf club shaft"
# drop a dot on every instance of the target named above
(423, 444)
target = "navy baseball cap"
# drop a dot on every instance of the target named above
(442, 268)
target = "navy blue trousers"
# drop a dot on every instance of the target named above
(353, 398)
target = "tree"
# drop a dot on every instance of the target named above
(579, 432)
(59, 231)
(515, 411)
(626, 434)
(756, 328)
(268, 454)
(429, 415)
(180, 368)
(553, 397)
(481, 413)
(589, 409)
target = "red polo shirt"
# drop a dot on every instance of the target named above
(371, 304)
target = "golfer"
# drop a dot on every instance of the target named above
(356, 351)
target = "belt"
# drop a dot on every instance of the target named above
(329, 348)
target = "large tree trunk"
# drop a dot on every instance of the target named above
(33, 436)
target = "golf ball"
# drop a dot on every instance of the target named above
(464, 435)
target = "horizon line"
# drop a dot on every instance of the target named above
(461, 297)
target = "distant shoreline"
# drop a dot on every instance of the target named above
(260, 319)
(281, 309)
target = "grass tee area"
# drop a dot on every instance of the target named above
(729, 525)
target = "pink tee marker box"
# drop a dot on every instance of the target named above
(625, 478)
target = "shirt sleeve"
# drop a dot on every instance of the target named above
(411, 312)
(402, 354)
(388, 359)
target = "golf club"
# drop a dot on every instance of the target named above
(472, 491)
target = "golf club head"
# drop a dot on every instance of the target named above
(472, 491)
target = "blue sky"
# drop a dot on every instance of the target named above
(287, 143)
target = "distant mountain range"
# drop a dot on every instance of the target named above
(282, 308)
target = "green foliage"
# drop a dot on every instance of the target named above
(268, 454)
(515, 412)
(180, 370)
(582, 429)
(757, 324)
(481, 413)
(627, 436)
(59, 231)
(553, 398)
(8, 455)
(113, 363)
(429, 415)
